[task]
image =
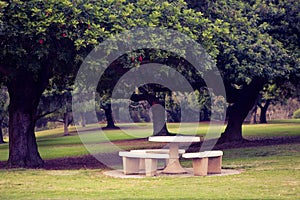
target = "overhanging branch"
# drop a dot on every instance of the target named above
(4, 71)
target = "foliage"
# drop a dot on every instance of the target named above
(47, 31)
(281, 20)
(248, 50)
(296, 114)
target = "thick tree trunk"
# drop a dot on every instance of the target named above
(239, 111)
(23, 151)
(158, 113)
(253, 119)
(159, 121)
(109, 117)
(205, 114)
(263, 116)
(24, 93)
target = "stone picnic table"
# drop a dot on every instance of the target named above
(173, 165)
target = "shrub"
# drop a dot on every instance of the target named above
(296, 114)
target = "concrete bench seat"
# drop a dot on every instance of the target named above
(165, 151)
(131, 162)
(207, 162)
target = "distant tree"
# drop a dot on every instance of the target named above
(56, 106)
(4, 101)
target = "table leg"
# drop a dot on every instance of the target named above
(173, 166)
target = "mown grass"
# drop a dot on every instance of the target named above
(273, 174)
(269, 172)
(53, 144)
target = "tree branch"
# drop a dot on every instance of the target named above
(46, 113)
(3, 70)
(151, 99)
(259, 105)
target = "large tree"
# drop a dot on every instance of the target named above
(249, 57)
(42, 40)
(162, 14)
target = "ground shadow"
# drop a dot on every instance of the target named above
(90, 162)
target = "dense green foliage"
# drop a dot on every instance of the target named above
(256, 45)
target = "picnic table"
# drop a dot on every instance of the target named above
(173, 165)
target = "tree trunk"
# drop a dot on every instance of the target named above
(159, 121)
(263, 116)
(66, 124)
(253, 115)
(206, 113)
(109, 117)
(1, 134)
(239, 111)
(83, 120)
(24, 93)
(158, 113)
(263, 112)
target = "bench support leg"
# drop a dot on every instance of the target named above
(200, 166)
(150, 166)
(131, 165)
(142, 164)
(173, 164)
(214, 165)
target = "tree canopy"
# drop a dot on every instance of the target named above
(43, 40)
(252, 42)
(252, 53)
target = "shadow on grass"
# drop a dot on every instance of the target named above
(90, 162)
(251, 142)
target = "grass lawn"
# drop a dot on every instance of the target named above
(268, 172)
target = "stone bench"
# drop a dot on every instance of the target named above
(131, 162)
(165, 151)
(207, 162)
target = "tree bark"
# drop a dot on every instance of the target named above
(158, 113)
(83, 120)
(263, 112)
(253, 119)
(237, 113)
(25, 92)
(109, 117)
(1, 134)
(66, 124)
(159, 121)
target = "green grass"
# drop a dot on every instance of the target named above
(53, 144)
(269, 172)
